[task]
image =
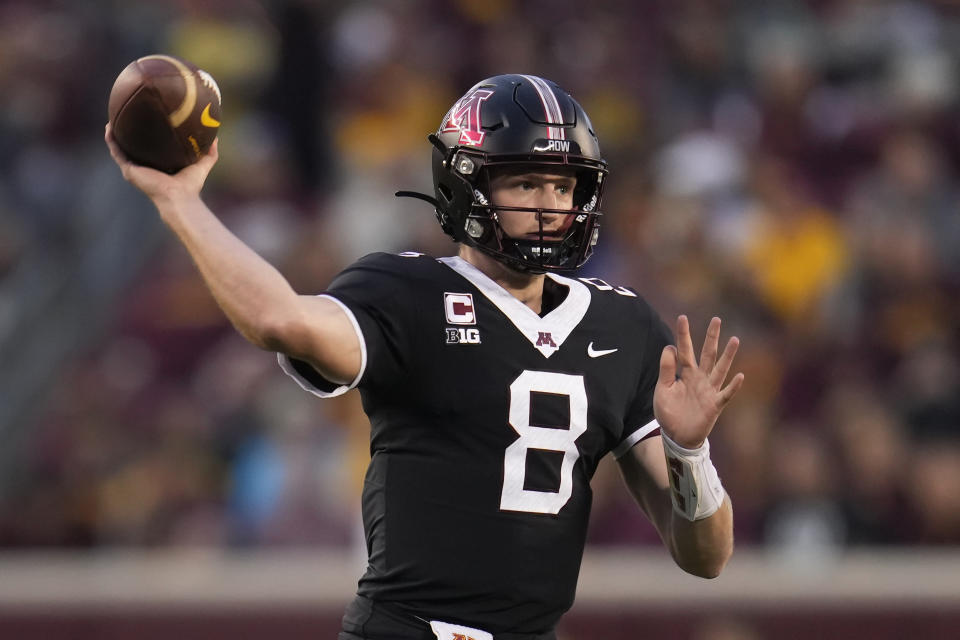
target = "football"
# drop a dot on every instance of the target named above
(165, 112)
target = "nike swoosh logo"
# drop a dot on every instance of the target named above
(206, 119)
(596, 353)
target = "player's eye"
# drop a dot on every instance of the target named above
(526, 185)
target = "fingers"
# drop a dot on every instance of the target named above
(685, 354)
(708, 354)
(118, 156)
(668, 365)
(211, 156)
(128, 167)
(727, 393)
(719, 373)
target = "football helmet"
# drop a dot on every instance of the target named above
(530, 123)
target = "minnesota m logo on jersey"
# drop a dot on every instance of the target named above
(545, 338)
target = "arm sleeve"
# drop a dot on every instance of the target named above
(639, 422)
(374, 295)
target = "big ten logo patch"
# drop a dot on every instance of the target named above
(459, 309)
(463, 335)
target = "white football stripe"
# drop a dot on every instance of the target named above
(186, 107)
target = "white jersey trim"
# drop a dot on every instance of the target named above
(635, 437)
(306, 385)
(558, 324)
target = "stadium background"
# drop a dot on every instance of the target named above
(793, 167)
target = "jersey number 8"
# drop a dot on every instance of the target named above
(514, 496)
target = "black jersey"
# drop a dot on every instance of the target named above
(488, 422)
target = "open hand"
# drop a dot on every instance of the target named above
(158, 185)
(689, 397)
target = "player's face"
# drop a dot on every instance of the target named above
(525, 187)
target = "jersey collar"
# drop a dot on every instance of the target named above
(546, 334)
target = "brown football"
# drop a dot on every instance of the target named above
(165, 112)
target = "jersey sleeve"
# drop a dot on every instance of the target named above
(374, 294)
(639, 422)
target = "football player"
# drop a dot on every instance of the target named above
(494, 384)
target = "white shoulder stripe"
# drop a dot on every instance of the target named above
(635, 437)
(306, 385)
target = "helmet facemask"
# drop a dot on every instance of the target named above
(562, 247)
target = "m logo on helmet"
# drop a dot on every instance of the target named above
(465, 118)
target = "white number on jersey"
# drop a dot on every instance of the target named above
(603, 286)
(514, 497)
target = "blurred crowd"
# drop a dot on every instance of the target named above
(793, 167)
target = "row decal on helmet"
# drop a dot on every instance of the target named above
(551, 107)
(465, 118)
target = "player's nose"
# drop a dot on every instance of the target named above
(547, 199)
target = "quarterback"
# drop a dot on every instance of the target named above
(495, 381)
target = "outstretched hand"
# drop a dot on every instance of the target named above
(158, 185)
(689, 397)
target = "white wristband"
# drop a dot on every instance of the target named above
(694, 485)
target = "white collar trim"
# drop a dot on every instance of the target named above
(546, 334)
